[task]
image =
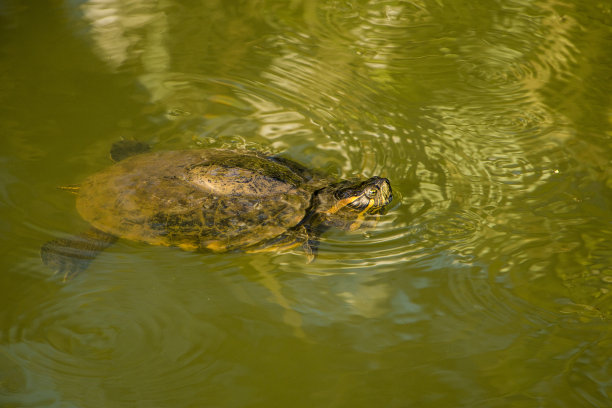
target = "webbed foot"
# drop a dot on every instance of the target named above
(70, 256)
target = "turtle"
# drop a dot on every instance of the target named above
(211, 199)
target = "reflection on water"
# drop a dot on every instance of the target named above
(487, 283)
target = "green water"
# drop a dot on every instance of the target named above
(487, 284)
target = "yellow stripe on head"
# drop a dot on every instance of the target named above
(370, 204)
(357, 223)
(341, 204)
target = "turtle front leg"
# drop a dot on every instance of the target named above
(310, 241)
(311, 248)
(292, 239)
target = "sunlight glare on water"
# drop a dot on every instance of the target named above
(486, 283)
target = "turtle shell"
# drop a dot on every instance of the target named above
(216, 199)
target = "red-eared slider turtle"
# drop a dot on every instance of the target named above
(213, 199)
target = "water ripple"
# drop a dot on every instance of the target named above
(76, 336)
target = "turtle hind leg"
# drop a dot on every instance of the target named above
(125, 148)
(70, 256)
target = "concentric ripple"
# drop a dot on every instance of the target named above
(74, 336)
(487, 278)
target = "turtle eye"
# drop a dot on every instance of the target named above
(371, 192)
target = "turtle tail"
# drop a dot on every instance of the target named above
(74, 189)
(69, 256)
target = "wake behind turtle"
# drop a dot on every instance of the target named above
(211, 199)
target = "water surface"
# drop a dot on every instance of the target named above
(486, 284)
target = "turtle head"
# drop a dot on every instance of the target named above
(367, 197)
(345, 204)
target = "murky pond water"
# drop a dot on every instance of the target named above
(486, 284)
